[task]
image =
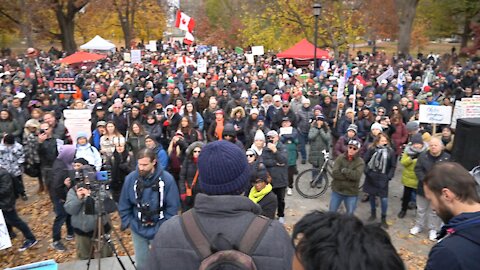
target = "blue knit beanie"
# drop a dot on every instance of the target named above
(223, 169)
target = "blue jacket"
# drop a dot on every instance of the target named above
(127, 205)
(460, 248)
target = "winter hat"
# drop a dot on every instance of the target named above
(376, 126)
(317, 108)
(320, 117)
(223, 169)
(67, 154)
(92, 94)
(378, 96)
(81, 161)
(272, 133)
(259, 136)
(412, 126)
(353, 127)
(32, 123)
(157, 100)
(101, 123)
(9, 139)
(254, 111)
(196, 90)
(416, 138)
(229, 130)
(261, 118)
(82, 134)
(149, 94)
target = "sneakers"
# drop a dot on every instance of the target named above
(69, 237)
(27, 244)
(415, 230)
(58, 246)
(281, 220)
(289, 191)
(432, 235)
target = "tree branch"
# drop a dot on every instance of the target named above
(10, 17)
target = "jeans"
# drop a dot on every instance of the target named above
(336, 199)
(425, 213)
(13, 220)
(302, 142)
(61, 217)
(383, 202)
(141, 247)
(280, 192)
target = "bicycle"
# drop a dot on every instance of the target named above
(313, 183)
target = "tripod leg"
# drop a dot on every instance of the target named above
(112, 247)
(92, 245)
(119, 239)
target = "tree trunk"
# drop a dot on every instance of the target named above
(26, 26)
(67, 32)
(406, 13)
(465, 34)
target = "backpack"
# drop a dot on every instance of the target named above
(239, 257)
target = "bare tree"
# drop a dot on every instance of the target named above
(406, 10)
(126, 10)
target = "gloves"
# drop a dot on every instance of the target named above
(344, 171)
(183, 197)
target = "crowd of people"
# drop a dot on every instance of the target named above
(152, 122)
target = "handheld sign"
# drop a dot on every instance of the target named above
(435, 114)
(5, 241)
(64, 85)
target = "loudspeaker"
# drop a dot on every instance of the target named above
(466, 145)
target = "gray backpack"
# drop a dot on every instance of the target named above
(238, 257)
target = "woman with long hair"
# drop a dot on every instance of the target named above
(122, 162)
(365, 120)
(190, 134)
(111, 137)
(194, 116)
(188, 184)
(8, 125)
(380, 164)
(400, 136)
(30, 147)
(136, 138)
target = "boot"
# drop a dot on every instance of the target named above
(383, 223)
(372, 217)
(365, 198)
(402, 213)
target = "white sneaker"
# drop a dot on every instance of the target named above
(289, 192)
(415, 230)
(281, 220)
(432, 235)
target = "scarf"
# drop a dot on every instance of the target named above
(378, 162)
(219, 128)
(257, 196)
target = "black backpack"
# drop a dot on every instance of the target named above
(235, 258)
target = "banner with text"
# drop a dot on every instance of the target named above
(435, 114)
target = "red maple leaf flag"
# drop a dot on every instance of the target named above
(184, 22)
(188, 38)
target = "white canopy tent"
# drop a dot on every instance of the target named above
(98, 43)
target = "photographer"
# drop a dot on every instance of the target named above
(84, 225)
(149, 197)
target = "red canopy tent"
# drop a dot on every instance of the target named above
(81, 57)
(303, 50)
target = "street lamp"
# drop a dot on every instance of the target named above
(317, 9)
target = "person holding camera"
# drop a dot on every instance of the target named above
(275, 158)
(58, 189)
(320, 139)
(84, 222)
(149, 197)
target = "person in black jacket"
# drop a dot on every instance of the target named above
(122, 162)
(58, 189)
(47, 150)
(274, 156)
(7, 205)
(188, 178)
(261, 193)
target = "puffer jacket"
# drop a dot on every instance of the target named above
(227, 215)
(320, 139)
(346, 175)
(409, 160)
(129, 211)
(277, 165)
(90, 154)
(12, 157)
(425, 162)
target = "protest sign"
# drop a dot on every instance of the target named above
(466, 108)
(64, 85)
(136, 56)
(5, 241)
(214, 49)
(257, 50)
(77, 121)
(202, 66)
(435, 114)
(153, 45)
(126, 57)
(387, 74)
(250, 58)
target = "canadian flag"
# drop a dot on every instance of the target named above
(184, 22)
(188, 38)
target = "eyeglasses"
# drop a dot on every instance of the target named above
(285, 106)
(352, 148)
(197, 151)
(250, 155)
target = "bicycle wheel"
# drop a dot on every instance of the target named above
(311, 183)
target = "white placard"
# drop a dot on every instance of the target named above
(5, 241)
(214, 49)
(250, 58)
(202, 66)
(435, 114)
(77, 121)
(257, 50)
(286, 130)
(136, 56)
(341, 87)
(466, 108)
(126, 57)
(387, 74)
(153, 45)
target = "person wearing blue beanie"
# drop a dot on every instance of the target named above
(222, 215)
